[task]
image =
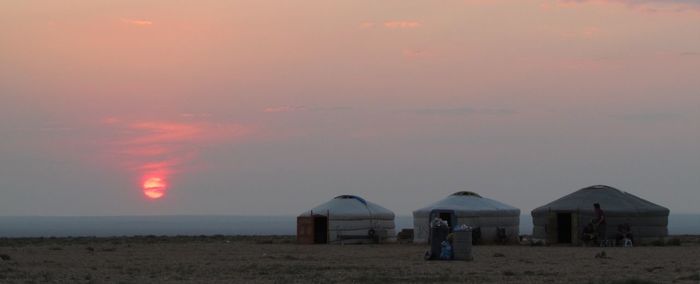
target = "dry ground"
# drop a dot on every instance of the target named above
(221, 259)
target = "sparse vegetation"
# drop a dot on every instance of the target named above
(633, 281)
(666, 242)
(278, 259)
(265, 242)
(692, 277)
(674, 242)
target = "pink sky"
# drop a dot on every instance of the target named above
(270, 107)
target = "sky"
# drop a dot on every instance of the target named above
(254, 107)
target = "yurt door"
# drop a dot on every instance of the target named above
(320, 229)
(564, 228)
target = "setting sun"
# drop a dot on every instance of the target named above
(154, 187)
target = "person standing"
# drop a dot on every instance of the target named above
(600, 223)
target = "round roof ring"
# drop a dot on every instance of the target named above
(466, 193)
(360, 199)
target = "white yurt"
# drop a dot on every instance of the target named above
(563, 220)
(346, 219)
(471, 209)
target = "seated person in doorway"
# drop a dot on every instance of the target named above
(476, 236)
(624, 235)
(501, 236)
(589, 234)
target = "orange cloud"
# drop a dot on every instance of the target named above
(136, 22)
(367, 25)
(401, 24)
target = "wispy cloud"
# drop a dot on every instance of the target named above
(402, 24)
(330, 108)
(368, 25)
(457, 111)
(195, 115)
(154, 132)
(392, 25)
(589, 32)
(282, 109)
(648, 117)
(277, 109)
(137, 22)
(164, 148)
(650, 6)
(414, 53)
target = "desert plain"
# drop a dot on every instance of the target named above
(278, 259)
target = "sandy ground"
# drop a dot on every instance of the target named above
(279, 260)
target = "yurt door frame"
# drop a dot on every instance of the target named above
(563, 227)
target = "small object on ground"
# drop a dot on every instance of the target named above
(406, 235)
(652, 269)
(5, 257)
(90, 249)
(601, 254)
(498, 254)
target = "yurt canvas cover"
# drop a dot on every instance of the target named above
(346, 218)
(470, 209)
(563, 220)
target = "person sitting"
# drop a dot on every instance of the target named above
(624, 235)
(476, 236)
(446, 251)
(501, 236)
(589, 235)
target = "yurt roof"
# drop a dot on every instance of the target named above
(350, 207)
(467, 203)
(611, 200)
